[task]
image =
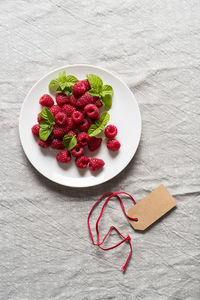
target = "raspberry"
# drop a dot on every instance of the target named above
(57, 144)
(110, 131)
(113, 145)
(70, 123)
(71, 132)
(72, 100)
(83, 139)
(39, 119)
(59, 132)
(84, 125)
(44, 144)
(77, 151)
(61, 99)
(96, 164)
(55, 109)
(84, 100)
(77, 117)
(35, 129)
(97, 101)
(68, 109)
(46, 100)
(63, 156)
(79, 88)
(94, 143)
(82, 162)
(86, 83)
(91, 110)
(60, 118)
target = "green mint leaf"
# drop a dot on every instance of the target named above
(93, 92)
(62, 85)
(107, 90)
(72, 79)
(95, 82)
(62, 76)
(99, 125)
(107, 101)
(69, 141)
(47, 115)
(45, 130)
(53, 82)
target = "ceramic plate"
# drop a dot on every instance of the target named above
(125, 114)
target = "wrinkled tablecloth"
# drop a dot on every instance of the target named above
(45, 249)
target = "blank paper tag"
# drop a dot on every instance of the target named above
(151, 208)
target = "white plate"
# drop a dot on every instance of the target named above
(125, 114)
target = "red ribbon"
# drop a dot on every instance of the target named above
(124, 239)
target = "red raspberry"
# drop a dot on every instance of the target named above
(91, 110)
(97, 101)
(113, 145)
(87, 84)
(110, 131)
(59, 132)
(55, 109)
(83, 139)
(60, 118)
(84, 100)
(35, 129)
(72, 100)
(57, 144)
(46, 100)
(84, 125)
(71, 132)
(39, 119)
(94, 143)
(96, 164)
(77, 117)
(71, 123)
(63, 156)
(77, 151)
(82, 162)
(79, 88)
(44, 144)
(61, 99)
(68, 109)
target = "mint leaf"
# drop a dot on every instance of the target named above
(99, 125)
(106, 90)
(107, 101)
(72, 79)
(45, 130)
(64, 83)
(47, 115)
(53, 82)
(93, 92)
(95, 82)
(69, 141)
(62, 76)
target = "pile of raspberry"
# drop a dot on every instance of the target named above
(74, 114)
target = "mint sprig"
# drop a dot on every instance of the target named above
(105, 92)
(99, 125)
(46, 126)
(64, 84)
(69, 141)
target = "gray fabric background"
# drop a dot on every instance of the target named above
(45, 250)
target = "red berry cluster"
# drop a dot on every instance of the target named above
(74, 115)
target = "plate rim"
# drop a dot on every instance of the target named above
(56, 70)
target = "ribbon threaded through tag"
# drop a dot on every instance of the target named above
(110, 195)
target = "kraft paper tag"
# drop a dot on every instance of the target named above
(151, 208)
